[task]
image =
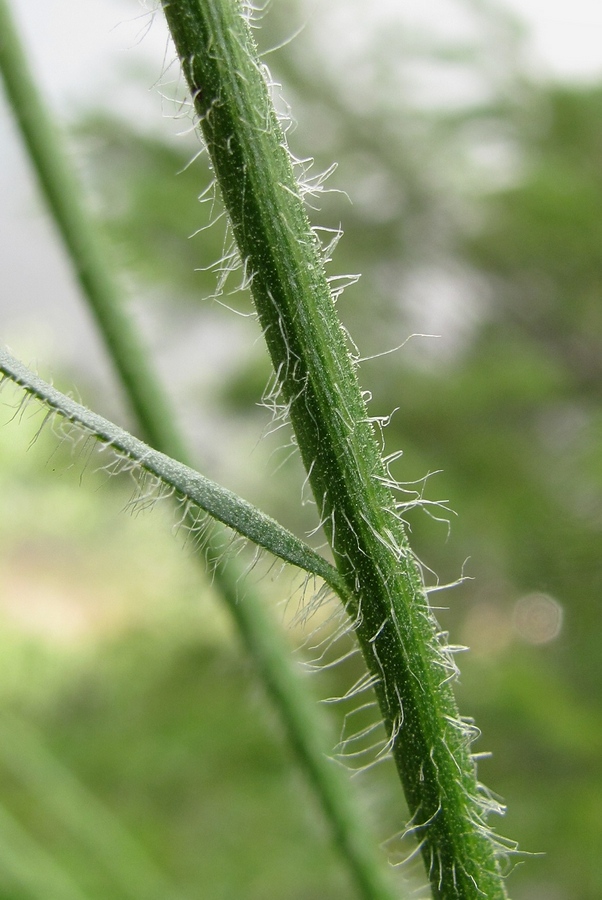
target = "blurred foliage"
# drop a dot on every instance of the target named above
(474, 215)
(137, 754)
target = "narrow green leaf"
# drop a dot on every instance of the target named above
(212, 498)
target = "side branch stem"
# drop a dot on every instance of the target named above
(220, 503)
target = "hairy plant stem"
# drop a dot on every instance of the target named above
(395, 626)
(305, 730)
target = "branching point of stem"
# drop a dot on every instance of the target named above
(220, 503)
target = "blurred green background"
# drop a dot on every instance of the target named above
(470, 195)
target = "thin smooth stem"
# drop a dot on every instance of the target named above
(395, 626)
(304, 728)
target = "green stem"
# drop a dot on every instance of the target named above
(302, 725)
(81, 238)
(394, 624)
